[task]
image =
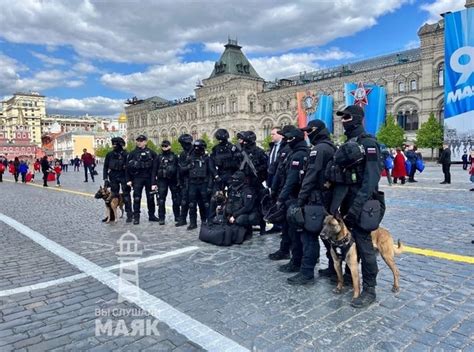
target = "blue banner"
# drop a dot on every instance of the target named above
(324, 111)
(459, 75)
(372, 99)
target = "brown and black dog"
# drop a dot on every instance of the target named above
(336, 232)
(111, 204)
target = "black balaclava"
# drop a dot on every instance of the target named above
(238, 180)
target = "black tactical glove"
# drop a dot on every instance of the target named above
(351, 218)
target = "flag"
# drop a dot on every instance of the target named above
(372, 99)
(311, 107)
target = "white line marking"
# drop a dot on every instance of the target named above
(72, 278)
(182, 323)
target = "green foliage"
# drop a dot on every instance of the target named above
(176, 147)
(430, 134)
(209, 144)
(266, 142)
(130, 146)
(102, 151)
(152, 146)
(391, 134)
(234, 140)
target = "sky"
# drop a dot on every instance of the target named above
(90, 56)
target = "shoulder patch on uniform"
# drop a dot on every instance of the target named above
(234, 148)
(313, 153)
(249, 196)
(371, 150)
(295, 163)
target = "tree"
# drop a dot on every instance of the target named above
(176, 147)
(102, 151)
(430, 134)
(152, 146)
(234, 140)
(206, 139)
(130, 146)
(266, 142)
(391, 134)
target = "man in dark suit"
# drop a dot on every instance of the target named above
(445, 161)
(275, 151)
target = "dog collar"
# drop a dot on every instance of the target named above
(341, 247)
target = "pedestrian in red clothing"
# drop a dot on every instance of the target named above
(57, 171)
(399, 170)
(88, 162)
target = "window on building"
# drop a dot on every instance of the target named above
(218, 109)
(223, 108)
(212, 109)
(234, 106)
(441, 74)
(401, 119)
(287, 104)
(270, 107)
(401, 87)
(251, 106)
(413, 84)
(264, 108)
(281, 105)
(412, 121)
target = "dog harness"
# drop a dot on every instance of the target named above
(341, 247)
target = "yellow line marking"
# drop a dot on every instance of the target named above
(441, 255)
(408, 249)
(428, 188)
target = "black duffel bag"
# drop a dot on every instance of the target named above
(215, 234)
(372, 212)
(314, 217)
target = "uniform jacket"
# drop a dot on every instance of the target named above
(445, 157)
(113, 160)
(294, 166)
(144, 159)
(240, 201)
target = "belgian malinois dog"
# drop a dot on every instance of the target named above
(343, 248)
(111, 204)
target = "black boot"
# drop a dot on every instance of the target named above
(153, 218)
(289, 268)
(366, 298)
(300, 279)
(279, 255)
(181, 222)
(328, 272)
(136, 219)
(192, 226)
(161, 222)
(129, 217)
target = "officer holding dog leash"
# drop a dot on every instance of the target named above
(355, 174)
(115, 175)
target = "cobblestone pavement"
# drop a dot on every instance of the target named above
(229, 295)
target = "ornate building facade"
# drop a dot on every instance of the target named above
(235, 97)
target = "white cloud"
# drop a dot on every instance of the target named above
(84, 67)
(438, 7)
(92, 105)
(49, 60)
(412, 44)
(158, 32)
(16, 77)
(178, 79)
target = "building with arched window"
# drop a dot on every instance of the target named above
(235, 97)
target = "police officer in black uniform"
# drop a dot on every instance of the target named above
(294, 172)
(115, 175)
(186, 141)
(166, 171)
(225, 160)
(314, 192)
(357, 184)
(254, 165)
(240, 206)
(139, 175)
(200, 182)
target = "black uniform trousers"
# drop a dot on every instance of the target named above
(198, 196)
(311, 247)
(367, 255)
(138, 184)
(163, 185)
(117, 183)
(447, 172)
(184, 195)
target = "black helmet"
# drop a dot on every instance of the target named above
(185, 139)
(118, 141)
(238, 176)
(252, 137)
(242, 135)
(199, 143)
(221, 134)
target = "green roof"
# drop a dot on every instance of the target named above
(233, 61)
